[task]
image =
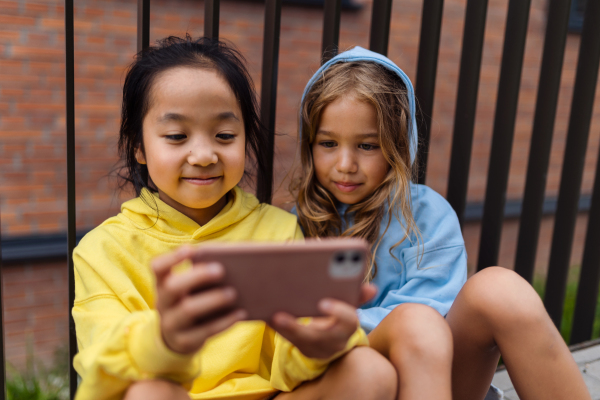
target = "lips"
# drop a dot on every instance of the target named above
(201, 180)
(347, 186)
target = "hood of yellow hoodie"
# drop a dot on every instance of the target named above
(142, 212)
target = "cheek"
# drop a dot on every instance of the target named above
(321, 162)
(236, 161)
(379, 169)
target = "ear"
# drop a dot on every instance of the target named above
(139, 156)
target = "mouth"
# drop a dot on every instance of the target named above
(202, 180)
(347, 186)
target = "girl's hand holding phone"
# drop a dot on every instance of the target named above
(193, 306)
(327, 335)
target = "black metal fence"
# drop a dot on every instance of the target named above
(466, 102)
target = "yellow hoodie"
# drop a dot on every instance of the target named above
(118, 331)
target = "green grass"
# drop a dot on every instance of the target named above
(569, 305)
(36, 382)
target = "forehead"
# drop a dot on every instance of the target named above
(193, 89)
(348, 114)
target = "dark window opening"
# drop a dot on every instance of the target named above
(576, 16)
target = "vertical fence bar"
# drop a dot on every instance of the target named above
(466, 103)
(572, 172)
(587, 290)
(70, 124)
(268, 98)
(429, 44)
(211, 18)
(541, 136)
(380, 26)
(2, 356)
(504, 129)
(331, 29)
(143, 24)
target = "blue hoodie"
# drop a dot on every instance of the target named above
(430, 270)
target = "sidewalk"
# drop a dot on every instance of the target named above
(587, 359)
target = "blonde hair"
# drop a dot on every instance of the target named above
(385, 91)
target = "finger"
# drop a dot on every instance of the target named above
(344, 314)
(174, 287)
(162, 264)
(289, 328)
(202, 305)
(367, 292)
(192, 339)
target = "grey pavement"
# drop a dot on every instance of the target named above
(587, 359)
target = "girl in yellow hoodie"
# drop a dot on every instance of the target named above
(189, 125)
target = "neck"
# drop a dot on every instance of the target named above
(199, 215)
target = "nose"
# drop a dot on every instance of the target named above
(202, 154)
(346, 162)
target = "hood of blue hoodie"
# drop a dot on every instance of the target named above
(360, 54)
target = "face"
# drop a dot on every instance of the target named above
(194, 141)
(346, 151)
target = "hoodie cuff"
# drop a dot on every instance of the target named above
(154, 359)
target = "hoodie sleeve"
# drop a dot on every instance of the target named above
(118, 344)
(290, 367)
(433, 268)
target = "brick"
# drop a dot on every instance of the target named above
(37, 53)
(59, 24)
(127, 29)
(122, 14)
(8, 20)
(40, 107)
(36, 8)
(20, 134)
(9, 35)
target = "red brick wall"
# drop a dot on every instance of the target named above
(35, 311)
(32, 122)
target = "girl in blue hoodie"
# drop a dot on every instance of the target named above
(443, 336)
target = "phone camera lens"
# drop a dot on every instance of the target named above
(340, 258)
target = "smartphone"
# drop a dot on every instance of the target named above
(291, 277)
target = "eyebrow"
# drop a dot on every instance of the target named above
(360, 135)
(175, 117)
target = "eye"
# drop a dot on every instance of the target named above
(328, 144)
(176, 137)
(226, 136)
(368, 146)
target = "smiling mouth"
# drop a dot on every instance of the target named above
(201, 181)
(347, 186)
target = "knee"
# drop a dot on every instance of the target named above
(370, 375)
(500, 296)
(156, 389)
(419, 332)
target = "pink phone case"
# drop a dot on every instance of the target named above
(290, 277)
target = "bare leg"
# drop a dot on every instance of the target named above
(418, 342)
(498, 312)
(156, 390)
(362, 374)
